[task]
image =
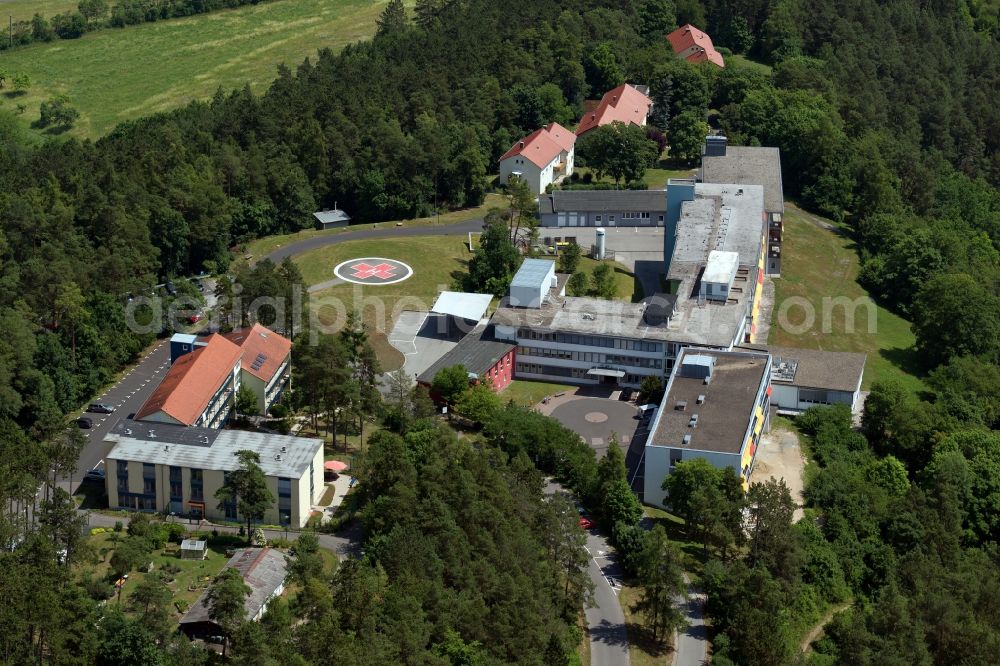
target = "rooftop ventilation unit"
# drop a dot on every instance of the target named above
(152, 434)
(204, 439)
(283, 449)
(128, 431)
(681, 405)
(166, 447)
(686, 440)
(708, 380)
(588, 316)
(278, 457)
(693, 423)
(701, 399)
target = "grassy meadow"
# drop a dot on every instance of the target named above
(820, 262)
(118, 74)
(23, 10)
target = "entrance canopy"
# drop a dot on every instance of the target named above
(462, 304)
(606, 372)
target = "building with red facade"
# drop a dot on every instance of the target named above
(485, 358)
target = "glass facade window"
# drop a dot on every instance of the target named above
(176, 487)
(197, 486)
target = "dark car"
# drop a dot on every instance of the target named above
(171, 290)
(94, 475)
(85, 423)
(98, 408)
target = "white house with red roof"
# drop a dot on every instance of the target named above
(694, 45)
(541, 158)
(266, 363)
(625, 104)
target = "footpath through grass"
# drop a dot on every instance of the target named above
(118, 74)
(819, 273)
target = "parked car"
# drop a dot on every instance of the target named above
(96, 474)
(194, 319)
(98, 408)
(170, 289)
(586, 523)
(85, 423)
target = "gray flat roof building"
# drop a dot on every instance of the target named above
(722, 408)
(748, 165)
(208, 448)
(650, 201)
(815, 368)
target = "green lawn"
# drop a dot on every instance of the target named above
(530, 393)
(655, 179)
(628, 287)
(260, 248)
(23, 10)
(819, 264)
(118, 74)
(188, 584)
(436, 260)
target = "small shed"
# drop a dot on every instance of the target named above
(331, 219)
(193, 549)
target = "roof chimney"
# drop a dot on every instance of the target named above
(522, 144)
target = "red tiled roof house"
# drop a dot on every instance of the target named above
(694, 45)
(199, 389)
(540, 158)
(625, 104)
(266, 364)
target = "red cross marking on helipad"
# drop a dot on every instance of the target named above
(383, 270)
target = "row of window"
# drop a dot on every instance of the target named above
(591, 357)
(590, 340)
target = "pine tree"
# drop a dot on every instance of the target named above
(392, 19)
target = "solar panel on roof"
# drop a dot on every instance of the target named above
(261, 358)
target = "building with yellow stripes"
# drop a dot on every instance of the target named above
(715, 407)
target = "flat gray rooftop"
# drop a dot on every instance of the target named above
(725, 415)
(207, 448)
(817, 369)
(748, 165)
(599, 201)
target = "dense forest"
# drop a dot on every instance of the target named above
(886, 118)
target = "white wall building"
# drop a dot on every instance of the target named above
(178, 469)
(541, 158)
(715, 407)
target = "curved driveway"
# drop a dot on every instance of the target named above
(307, 244)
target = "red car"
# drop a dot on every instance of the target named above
(194, 319)
(585, 523)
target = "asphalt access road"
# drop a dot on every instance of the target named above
(605, 619)
(126, 396)
(457, 229)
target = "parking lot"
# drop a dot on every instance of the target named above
(416, 335)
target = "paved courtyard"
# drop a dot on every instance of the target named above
(594, 419)
(416, 335)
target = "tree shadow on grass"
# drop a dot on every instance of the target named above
(642, 638)
(14, 94)
(906, 359)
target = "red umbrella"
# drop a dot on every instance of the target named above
(335, 465)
